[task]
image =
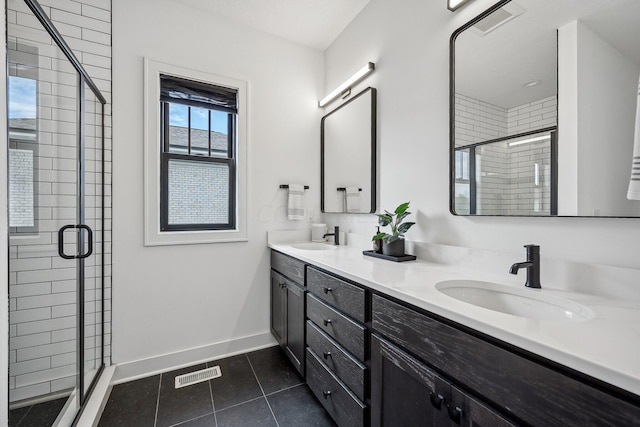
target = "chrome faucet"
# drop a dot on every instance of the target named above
(335, 234)
(532, 264)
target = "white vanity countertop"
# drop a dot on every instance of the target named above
(606, 347)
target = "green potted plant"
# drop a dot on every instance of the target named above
(393, 243)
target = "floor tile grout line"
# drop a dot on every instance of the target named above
(155, 420)
(25, 415)
(241, 403)
(284, 389)
(188, 421)
(262, 390)
(213, 403)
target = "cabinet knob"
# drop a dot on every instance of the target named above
(327, 290)
(436, 400)
(326, 354)
(283, 285)
(455, 413)
(326, 322)
(326, 394)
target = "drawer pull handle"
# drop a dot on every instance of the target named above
(326, 354)
(326, 394)
(455, 413)
(326, 322)
(283, 285)
(327, 290)
(436, 400)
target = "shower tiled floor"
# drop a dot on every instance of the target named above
(258, 389)
(39, 415)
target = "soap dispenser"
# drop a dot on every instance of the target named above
(377, 244)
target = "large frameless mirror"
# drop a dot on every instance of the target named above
(543, 109)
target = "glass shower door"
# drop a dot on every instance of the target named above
(92, 215)
(56, 221)
(44, 197)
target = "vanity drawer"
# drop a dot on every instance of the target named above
(345, 366)
(349, 298)
(290, 267)
(512, 381)
(344, 407)
(348, 333)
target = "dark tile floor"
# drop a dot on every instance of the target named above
(259, 389)
(39, 415)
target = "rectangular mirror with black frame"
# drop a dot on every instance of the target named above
(543, 98)
(348, 156)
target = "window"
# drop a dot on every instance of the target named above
(195, 151)
(198, 155)
(22, 108)
(462, 184)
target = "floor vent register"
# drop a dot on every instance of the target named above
(198, 376)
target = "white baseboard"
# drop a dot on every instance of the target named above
(136, 369)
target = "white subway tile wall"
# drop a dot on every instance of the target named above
(43, 285)
(507, 183)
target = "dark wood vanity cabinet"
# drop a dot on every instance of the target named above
(373, 360)
(288, 307)
(526, 389)
(337, 346)
(406, 393)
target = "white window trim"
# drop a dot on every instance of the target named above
(152, 234)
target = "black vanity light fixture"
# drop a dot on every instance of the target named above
(452, 5)
(345, 87)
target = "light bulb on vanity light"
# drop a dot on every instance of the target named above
(346, 85)
(452, 5)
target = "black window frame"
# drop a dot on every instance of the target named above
(166, 156)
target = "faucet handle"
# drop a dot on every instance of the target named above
(532, 249)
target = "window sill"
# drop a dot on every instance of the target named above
(166, 238)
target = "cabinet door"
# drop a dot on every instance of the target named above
(295, 325)
(404, 391)
(278, 307)
(467, 411)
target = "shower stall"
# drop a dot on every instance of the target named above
(56, 222)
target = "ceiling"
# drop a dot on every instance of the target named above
(494, 67)
(314, 23)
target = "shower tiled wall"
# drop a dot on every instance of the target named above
(493, 185)
(506, 182)
(42, 285)
(478, 121)
(529, 192)
(535, 115)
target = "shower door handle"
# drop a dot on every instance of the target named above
(89, 243)
(61, 241)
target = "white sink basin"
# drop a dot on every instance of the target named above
(524, 302)
(313, 246)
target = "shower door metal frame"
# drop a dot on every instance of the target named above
(84, 79)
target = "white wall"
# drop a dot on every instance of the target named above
(607, 84)
(173, 298)
(409, 42)
(568, 116)
(598, 87)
